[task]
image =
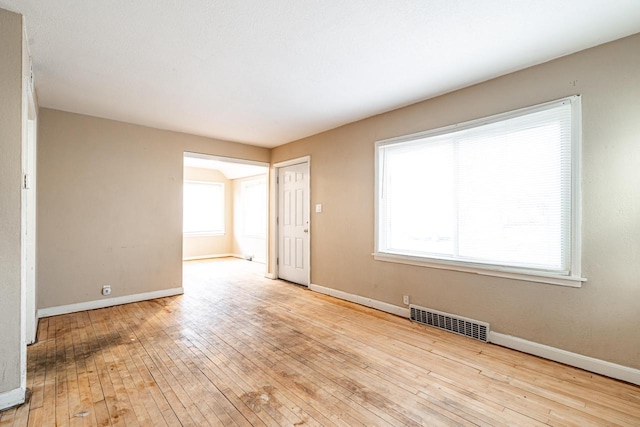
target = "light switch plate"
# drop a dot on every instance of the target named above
(319, 208)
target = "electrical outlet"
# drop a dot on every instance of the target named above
(106, 290)
(405, 299)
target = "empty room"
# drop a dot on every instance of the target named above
(286, 213)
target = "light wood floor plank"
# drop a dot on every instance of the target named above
(241, 350)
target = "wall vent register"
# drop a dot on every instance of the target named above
(449, 322)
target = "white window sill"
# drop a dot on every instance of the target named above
(203, 234)
(505, 272)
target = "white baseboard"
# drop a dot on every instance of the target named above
(12, 398)
(590, 364)
(367, 302)
(193, 258)
(241, 256)
(108, 302)
(270, 276)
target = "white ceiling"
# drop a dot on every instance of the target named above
(269, 72)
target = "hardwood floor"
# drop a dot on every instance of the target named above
(238, 349)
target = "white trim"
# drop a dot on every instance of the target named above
(241, 256)
(270, 276)
(208, 256)
(304, 159)
(551, 279)
(367, 302)
(576, 184)
(272, 238)
(109, 302)
(590, 364)
(12, 398)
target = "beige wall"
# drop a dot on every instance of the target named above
(10, 199)
(110, 205)
(210, 246)
(598, 320)
(245, 245)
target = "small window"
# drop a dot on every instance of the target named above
(254, 208)
(500, 193)
(203, 208)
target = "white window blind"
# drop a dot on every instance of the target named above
(497, 192)
(203, 207)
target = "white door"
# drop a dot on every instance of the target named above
(293, 223)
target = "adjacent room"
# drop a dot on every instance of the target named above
(225, 209)
(407, 212)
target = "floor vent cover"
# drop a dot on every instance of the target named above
(449, 322)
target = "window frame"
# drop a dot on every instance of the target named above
(221, 232)
(572, 278)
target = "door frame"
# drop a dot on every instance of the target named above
(275, 211)
(29, 189)
(227, 159)
(28, 273)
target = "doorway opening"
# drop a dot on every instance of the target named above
(225, 208)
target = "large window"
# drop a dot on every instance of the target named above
(254, 208)
(495, 196)
(203, 208)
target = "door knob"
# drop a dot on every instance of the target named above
(306, 230)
